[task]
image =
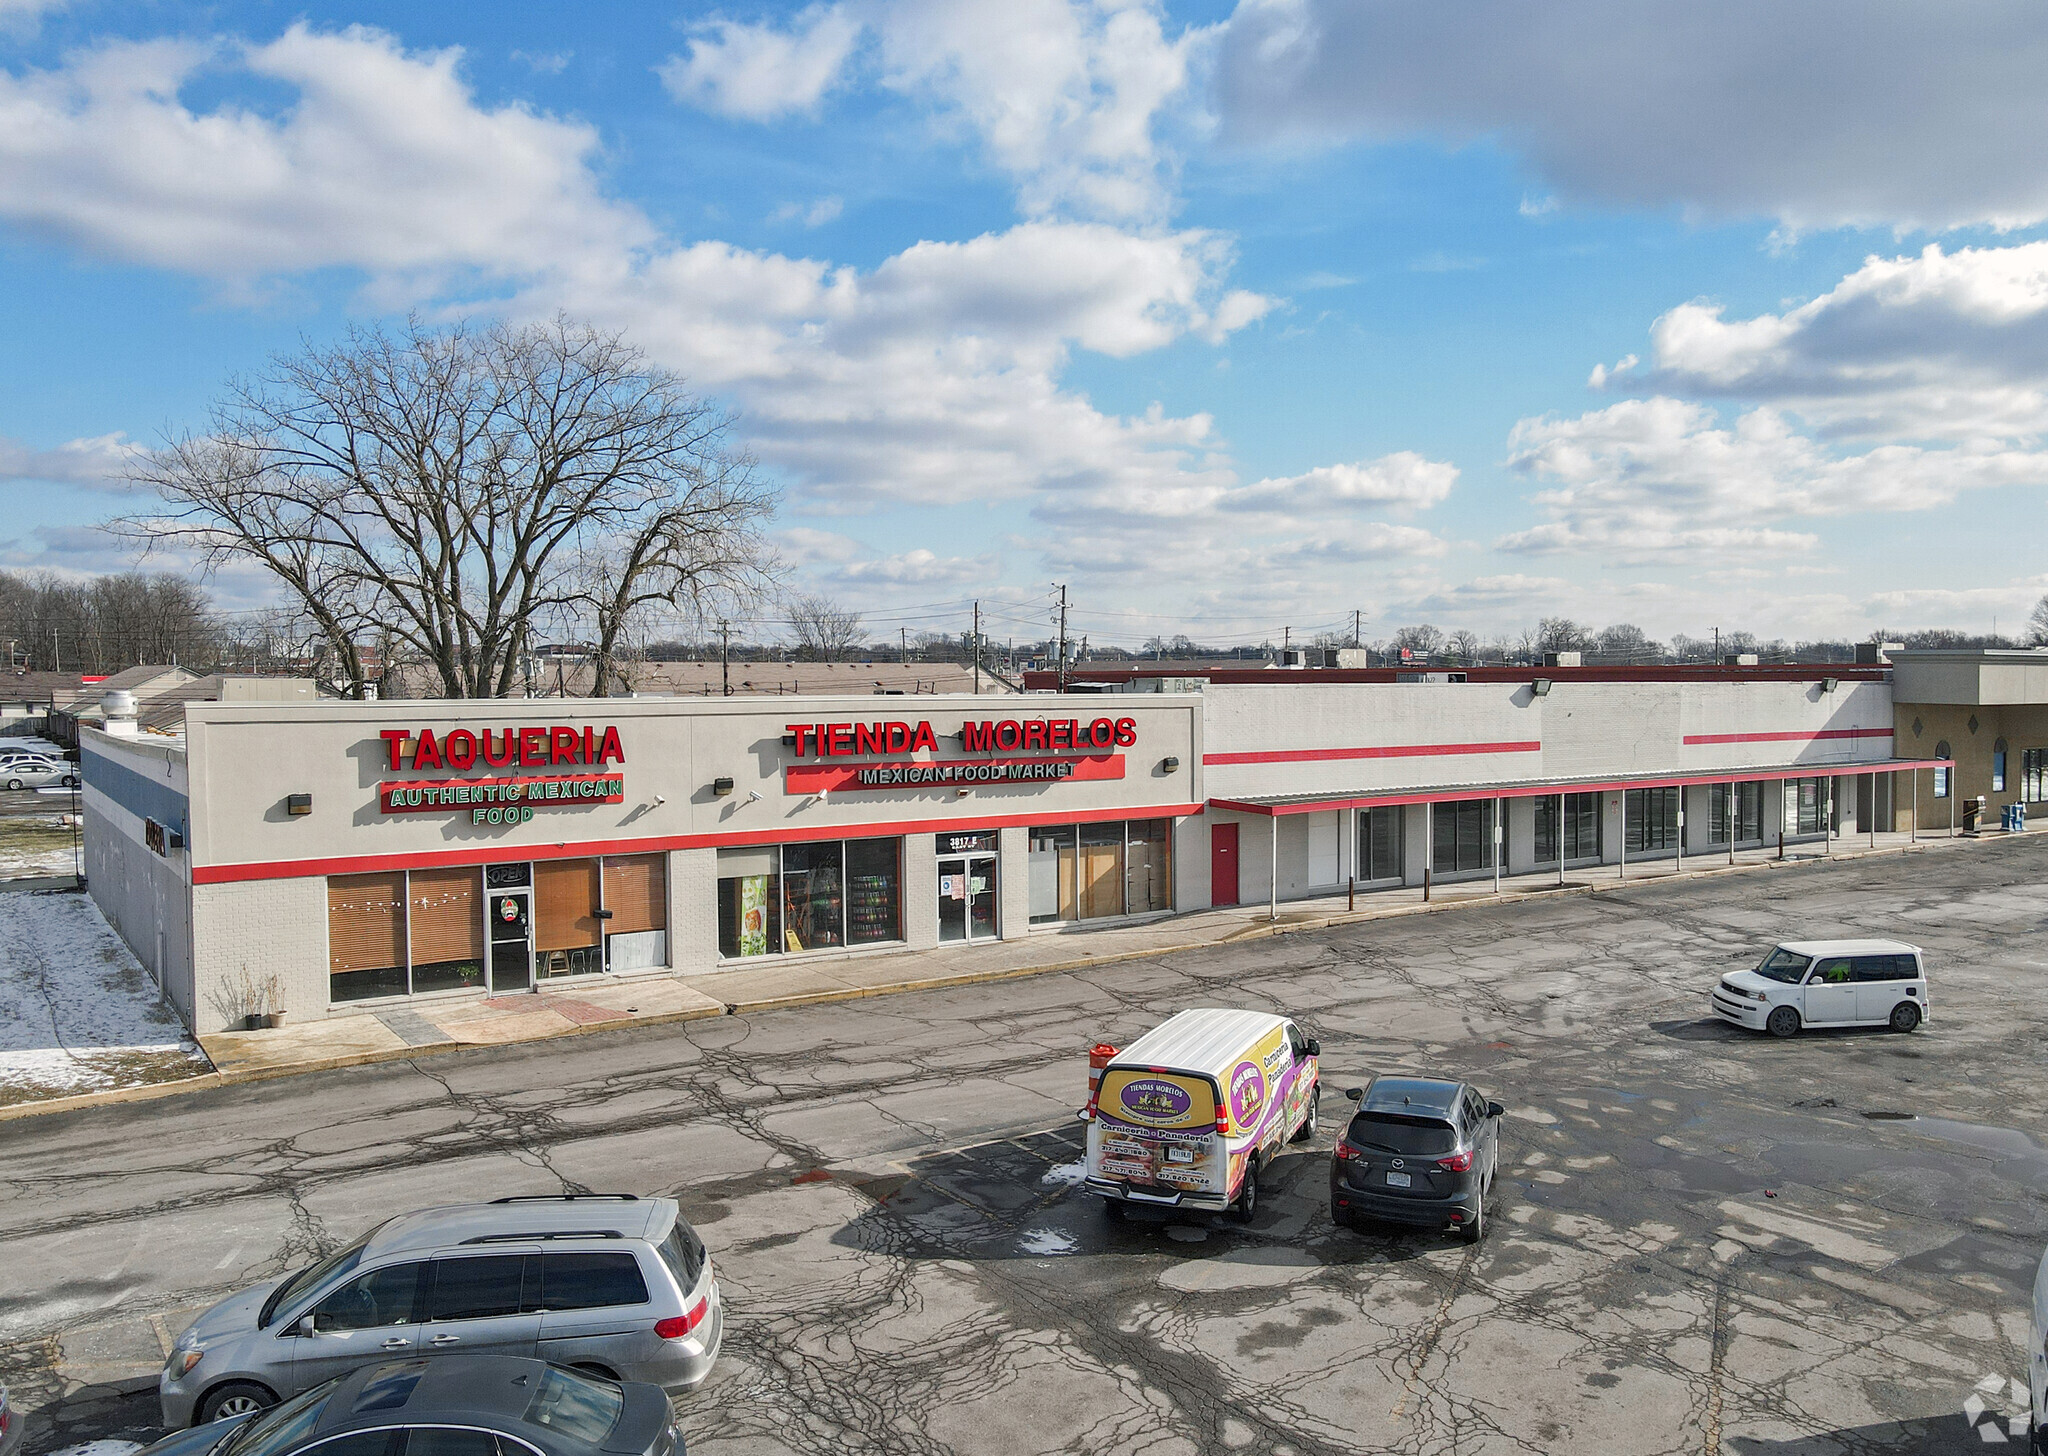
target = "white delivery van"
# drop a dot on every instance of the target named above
(1187, 1115)
(1828, 983)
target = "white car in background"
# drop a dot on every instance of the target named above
(1821, 983)
(37, 773)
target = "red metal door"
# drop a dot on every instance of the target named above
(1222, 864)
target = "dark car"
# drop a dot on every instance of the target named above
(1418, 1151)
(451, 1405)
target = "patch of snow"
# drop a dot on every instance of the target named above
(1042, 1242)
(77, 1011)
(1069, 1174)
(99, 1448)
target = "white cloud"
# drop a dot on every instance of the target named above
(1949, 346)
(544, 63)
(1816, 114)
(1403, 480)
(810, 214)
(1654, 476)
(382, 161)
(98, 463)
(1064, 96)
(935, 377)
(763, 72)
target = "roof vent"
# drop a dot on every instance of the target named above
(119, 707)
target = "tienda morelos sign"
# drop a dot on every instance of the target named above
(1050, 750)
(501, 798)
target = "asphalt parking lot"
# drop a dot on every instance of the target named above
(1702, 1241)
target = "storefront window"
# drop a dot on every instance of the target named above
(1581, 827)
(813, 896)
(1803, 806)
(1461, 836)
(1148, 863)
(1379, 844)
(636, 894)
(1749, 812)
(1652, 819)
(2033, 774)
(366, 936)
(1095, 871)
(420, 931)
(566, 937)
(786, 899)
(447, 928)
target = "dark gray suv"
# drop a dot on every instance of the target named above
(459, 1405)
(1418, 1151)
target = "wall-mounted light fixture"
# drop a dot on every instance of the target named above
(1540, 688)
(753, 796)
(1829, 684)
(721, 787)
(297, 804)
(1169, 764)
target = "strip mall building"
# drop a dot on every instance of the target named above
(347, 856)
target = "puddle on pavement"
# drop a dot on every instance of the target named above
(1886, 1116)
(1182, 1234)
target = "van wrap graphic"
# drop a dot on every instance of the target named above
(1137, 1098)
(1247, 1093)
(1151, 1100)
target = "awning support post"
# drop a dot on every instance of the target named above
(1951, 801)
(1273, 884)
(1624, 834)
(1732, 797)
(1913, 829)
(1873, 808)
(1560, 840)
(1679, 867)
(1496, 846)
(1827, 814)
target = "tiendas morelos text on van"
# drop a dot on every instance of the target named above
(1187, 1115)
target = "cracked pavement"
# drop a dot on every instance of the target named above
(888, 1190)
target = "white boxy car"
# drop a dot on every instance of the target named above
(1828, 983)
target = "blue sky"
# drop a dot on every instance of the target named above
(1231, 317)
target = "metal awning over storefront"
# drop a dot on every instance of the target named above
(1327, 800)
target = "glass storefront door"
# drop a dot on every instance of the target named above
(508, 902)
(967, 897)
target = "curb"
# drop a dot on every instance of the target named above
(206, 1081)
(1254, 931)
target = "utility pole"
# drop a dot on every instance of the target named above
(725, 657)
(902, 644)
(1357, 625)
(56, 659)
(977, 648)
(1717, 646)
(1063, 635)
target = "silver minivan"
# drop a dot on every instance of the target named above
(609, 1284)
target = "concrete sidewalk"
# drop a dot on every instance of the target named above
(600, 1004)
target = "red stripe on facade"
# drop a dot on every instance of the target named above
(1814, 737)
(1328, 755)
(503, 853)
(1452, 795)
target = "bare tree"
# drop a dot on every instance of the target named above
(1421, 640)
(1626, 640)
(2037, 625)
(452, 488)
(1561, 634)
(824, 630)
(1463, 646)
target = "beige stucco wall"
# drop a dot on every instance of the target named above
(1922, 727)
(246, 758)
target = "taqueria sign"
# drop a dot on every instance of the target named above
(501, 798)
